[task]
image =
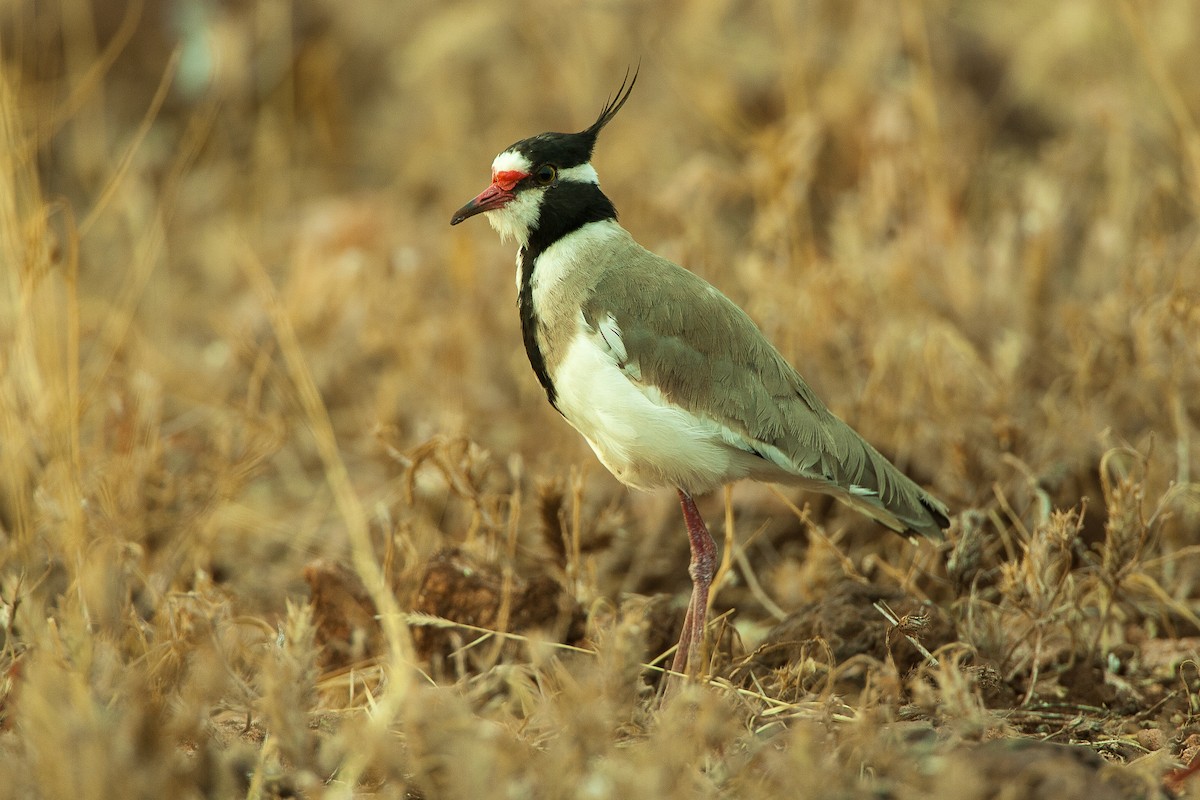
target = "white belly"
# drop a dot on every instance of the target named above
(642, 439)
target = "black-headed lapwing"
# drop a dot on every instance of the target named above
(668, 380)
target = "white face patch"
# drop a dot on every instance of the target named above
(515, 220)
(518, 218)
(511, 161)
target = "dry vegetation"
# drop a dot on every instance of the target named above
(266, 427)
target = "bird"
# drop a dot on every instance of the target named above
(670, 382)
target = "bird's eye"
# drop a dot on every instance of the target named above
(545, 175)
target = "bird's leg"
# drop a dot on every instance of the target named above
(702, 567)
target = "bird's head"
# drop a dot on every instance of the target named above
(545, 180)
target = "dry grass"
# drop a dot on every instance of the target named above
(255, 394)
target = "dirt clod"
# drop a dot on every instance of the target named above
(462, 589)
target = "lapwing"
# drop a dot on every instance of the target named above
(670, 382)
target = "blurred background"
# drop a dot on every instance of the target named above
(232, 307)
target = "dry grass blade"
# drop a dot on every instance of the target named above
(402, 661)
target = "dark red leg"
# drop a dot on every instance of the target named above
(702, 567)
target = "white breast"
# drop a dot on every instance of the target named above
(643, 440)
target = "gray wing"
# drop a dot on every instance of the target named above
(705, 354)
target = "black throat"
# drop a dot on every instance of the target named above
(566, 208)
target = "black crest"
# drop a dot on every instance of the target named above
(610, 110)
(566, 150)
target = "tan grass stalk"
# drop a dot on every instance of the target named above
(401, 658)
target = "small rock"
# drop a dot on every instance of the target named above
(1151, 738)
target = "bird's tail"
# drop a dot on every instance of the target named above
(919, 512)
(865, 480)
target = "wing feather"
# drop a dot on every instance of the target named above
(674, 331)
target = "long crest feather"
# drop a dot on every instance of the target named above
(613, 106)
